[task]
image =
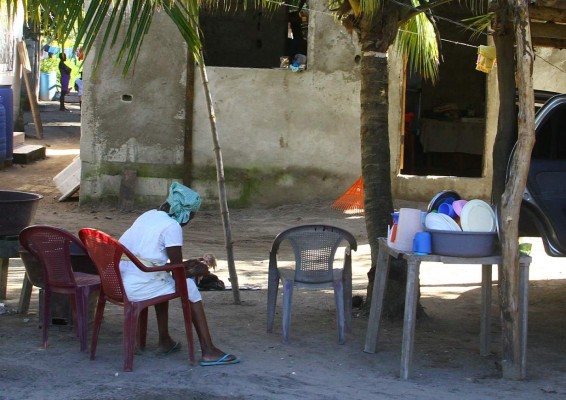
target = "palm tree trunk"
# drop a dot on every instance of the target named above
(221, 186)
(377, 34)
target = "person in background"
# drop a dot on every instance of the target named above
(65, 72)
(156, 238)
(79, 88)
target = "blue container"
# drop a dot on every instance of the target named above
(8, 101)
(47, 85)
(2, 133)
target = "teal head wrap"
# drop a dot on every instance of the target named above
(182, 200)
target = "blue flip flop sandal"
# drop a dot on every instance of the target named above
(221, 361)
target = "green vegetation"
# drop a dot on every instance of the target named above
(51, 64)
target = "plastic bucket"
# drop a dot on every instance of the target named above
(17, 210)
(47, 85)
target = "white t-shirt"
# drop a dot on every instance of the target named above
(148, 239)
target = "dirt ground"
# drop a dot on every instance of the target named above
(446, 361)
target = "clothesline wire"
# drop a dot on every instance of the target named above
(551, 64)
(458, 23)
(445, 40)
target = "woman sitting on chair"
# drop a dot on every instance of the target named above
(156, 238)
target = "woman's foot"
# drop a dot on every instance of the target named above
(218, 356)
(225, 359)
(168, 346)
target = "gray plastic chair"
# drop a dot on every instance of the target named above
(314, 248)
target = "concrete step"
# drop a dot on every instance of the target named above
(26, 153)
(19, 138)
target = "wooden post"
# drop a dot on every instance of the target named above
(26, 72)
(511, 200)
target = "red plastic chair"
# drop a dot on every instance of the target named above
(106, 252)
(52, 247)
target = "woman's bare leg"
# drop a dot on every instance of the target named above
(209, 351)
(162, 313)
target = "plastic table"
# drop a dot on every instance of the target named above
(411, 297)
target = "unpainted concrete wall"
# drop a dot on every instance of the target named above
(285, 137)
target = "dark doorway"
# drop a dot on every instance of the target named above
(445, 122)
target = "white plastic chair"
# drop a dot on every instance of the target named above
(314, 248)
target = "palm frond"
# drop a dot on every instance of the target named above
(479, 24)
(122, 23)
(478, 7)
(418, 41)
(371, 7)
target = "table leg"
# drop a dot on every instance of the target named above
(523, 314)
(25, 295)
(411, 296)
(485, 331)
(378, 294)
(3, 277)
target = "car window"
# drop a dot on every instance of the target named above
(551, 136)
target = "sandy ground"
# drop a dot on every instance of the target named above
(447, 364)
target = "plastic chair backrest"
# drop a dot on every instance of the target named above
(105, 252)
(314, 247)
(52, 247)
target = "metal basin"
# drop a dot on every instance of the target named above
(17, 210)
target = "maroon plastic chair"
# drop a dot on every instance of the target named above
(106, 252)
(52, 247)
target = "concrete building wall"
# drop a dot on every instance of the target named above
(284, 136)
(135, 121)
(549, 68)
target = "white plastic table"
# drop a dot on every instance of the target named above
(411, 297)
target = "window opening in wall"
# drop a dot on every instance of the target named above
(252, 36)
(444, 132)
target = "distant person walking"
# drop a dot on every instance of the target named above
(65, 72)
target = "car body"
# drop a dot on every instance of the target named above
(543, 208)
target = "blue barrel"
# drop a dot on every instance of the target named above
(2, 133)
(47, 85)
(8, 97)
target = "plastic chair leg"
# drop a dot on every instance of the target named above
(142, 329)
(82, 298)
(46, 315)
(287, 304)
(131, 320)
(97, 321)
(272, 289)
(185, 305)
(339, 300)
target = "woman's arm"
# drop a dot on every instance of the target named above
(175, 254)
